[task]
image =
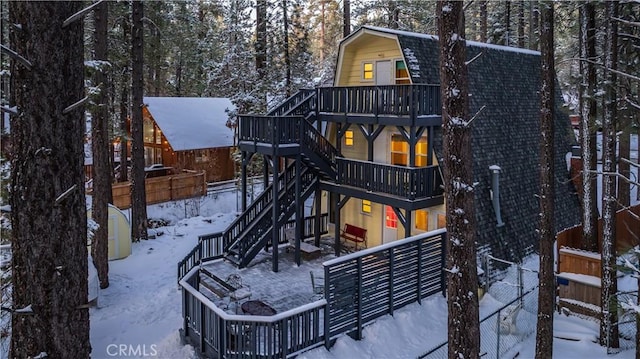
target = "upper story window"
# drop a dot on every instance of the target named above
(400, 151)
(367, 70)
(442, 220)
(348, 138)
(402, 75)
(158, 136)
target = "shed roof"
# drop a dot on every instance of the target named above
(191, 123)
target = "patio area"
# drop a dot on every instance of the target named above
(286, 289)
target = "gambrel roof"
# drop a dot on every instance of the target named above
(191, 123)
(504, 84)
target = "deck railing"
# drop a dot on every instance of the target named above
(406, 182)
(359, 288)
(217, 334)
(374, 282)
(400, 100)
(211, 246)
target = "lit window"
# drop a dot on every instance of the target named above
(391, 220)
(367, 70)
(348, 138)
(402, 75)
(147, 130)
(158, 136)
(366, 206)
(422, 220)
(442, 220)
(400, 151)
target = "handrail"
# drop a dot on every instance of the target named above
(291, 103)
(407, 182)
(403, 100)
(316, 143)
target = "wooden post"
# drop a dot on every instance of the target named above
(299, 207)
(391, 265)
(359, 294)
(316, 223)
(419, 274)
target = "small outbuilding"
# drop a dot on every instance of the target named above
(119, 234)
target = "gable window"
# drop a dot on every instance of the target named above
(391, 220)
(366, 206)
(147, 130)
(422, 220)
(402, 75)
(367, 70)
(348, 138)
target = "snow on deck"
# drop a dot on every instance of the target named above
(581, 278)
(579, 252)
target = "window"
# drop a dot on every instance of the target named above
(442, 220)
(422, 220)
(158, 136)
(391, 220)
(402, 75)
(367, 71)
(147, 130)
(400, 151)
(366, 206)
(348, 138)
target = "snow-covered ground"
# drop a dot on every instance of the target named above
(142, 308)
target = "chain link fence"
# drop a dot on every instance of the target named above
(508, 314)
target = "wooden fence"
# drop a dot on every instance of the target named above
(163, 189)
(627, 232)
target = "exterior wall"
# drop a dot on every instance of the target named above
(365, 48)
(216, 162)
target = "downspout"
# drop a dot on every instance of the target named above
(495, 193)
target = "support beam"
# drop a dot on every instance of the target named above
(299, 207)
(275, 213)
(318, 212)
(244, 180)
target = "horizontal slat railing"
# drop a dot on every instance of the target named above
(407, 182)
(280, 130)
(368, 284)
(400, 100)
(217, 334)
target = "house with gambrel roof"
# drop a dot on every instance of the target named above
(368, 149)
(366, 153)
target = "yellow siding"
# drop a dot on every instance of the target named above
(366, 48)
(359, 149)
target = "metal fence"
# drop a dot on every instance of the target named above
(516, 287)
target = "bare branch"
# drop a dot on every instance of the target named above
(74, 105)
(476, 115)
(616, 174)
(630, 162)
(624, 74)
(16, 56)
(474, 58)
(65, 194)
(632, 23)
(466, 6)
(11, 110)
(633, 104)
(80, 14)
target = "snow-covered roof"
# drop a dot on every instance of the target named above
(191, 123)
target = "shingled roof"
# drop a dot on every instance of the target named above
(506, 81)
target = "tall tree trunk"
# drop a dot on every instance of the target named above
(483, 21)
(608, 324)
(100, 149)
(535, 25)
(125, 129)
(138, 195)
(285, 40)
(507, 23)
(588, 108)
(261, 35)
(48, 213)
(462, 276)
(547, 288)
(521, 24)
(346, 16)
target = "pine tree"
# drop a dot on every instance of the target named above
(138, 195)
(608, 323)
(462, 277)
(100, 148)
(48, 215)
(546, 291)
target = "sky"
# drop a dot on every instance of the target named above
(142, 305)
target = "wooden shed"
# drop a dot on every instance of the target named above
(190, 133)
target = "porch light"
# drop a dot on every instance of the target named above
(495, 193)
